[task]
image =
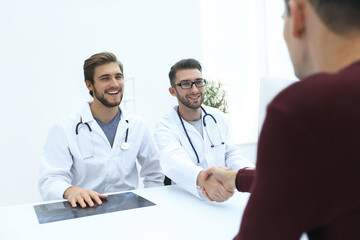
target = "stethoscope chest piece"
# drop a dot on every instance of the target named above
(125, 145)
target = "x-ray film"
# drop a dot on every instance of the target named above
(59, 211)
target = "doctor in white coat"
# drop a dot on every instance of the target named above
(192, 137)
(95, 151)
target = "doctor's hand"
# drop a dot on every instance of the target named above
(224, 175)
(212, 188)
(83, 196)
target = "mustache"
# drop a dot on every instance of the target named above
(113, 89)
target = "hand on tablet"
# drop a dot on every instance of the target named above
(83, 196)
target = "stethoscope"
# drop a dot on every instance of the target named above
(204, 122)
(125, 145)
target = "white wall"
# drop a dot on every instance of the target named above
(43, 46)
(277, 57)
(231, 42)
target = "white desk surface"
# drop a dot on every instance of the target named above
(177, 215)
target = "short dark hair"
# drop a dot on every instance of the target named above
(181, 65)
(340, 16)
(97, 60)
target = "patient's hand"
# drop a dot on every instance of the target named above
(212, 188)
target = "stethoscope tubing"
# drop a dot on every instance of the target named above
(125, 145)
(79, 123)
(187, 135)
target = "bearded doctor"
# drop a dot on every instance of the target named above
(94, 151)
(193, 137)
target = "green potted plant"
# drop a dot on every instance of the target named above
(215, 95)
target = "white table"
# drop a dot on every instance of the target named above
(176, 215)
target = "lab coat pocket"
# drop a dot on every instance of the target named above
(85, 143)
(126, 159)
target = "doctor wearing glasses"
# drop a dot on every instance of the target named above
(94, 151)
(194, 137)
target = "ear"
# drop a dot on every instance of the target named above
(172, 91)
(89, 85)
(297, 12)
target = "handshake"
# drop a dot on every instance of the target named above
(219, 183)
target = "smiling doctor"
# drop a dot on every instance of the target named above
(193, 137)
(95, 151)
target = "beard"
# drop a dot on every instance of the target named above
(185, 101)
(105, 102)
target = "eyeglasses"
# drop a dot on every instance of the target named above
(187, 84)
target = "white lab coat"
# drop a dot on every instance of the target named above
(108, 169)
(177, 158)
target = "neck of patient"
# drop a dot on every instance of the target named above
(338, 52)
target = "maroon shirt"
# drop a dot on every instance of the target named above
(308, 166)
(244, 179)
